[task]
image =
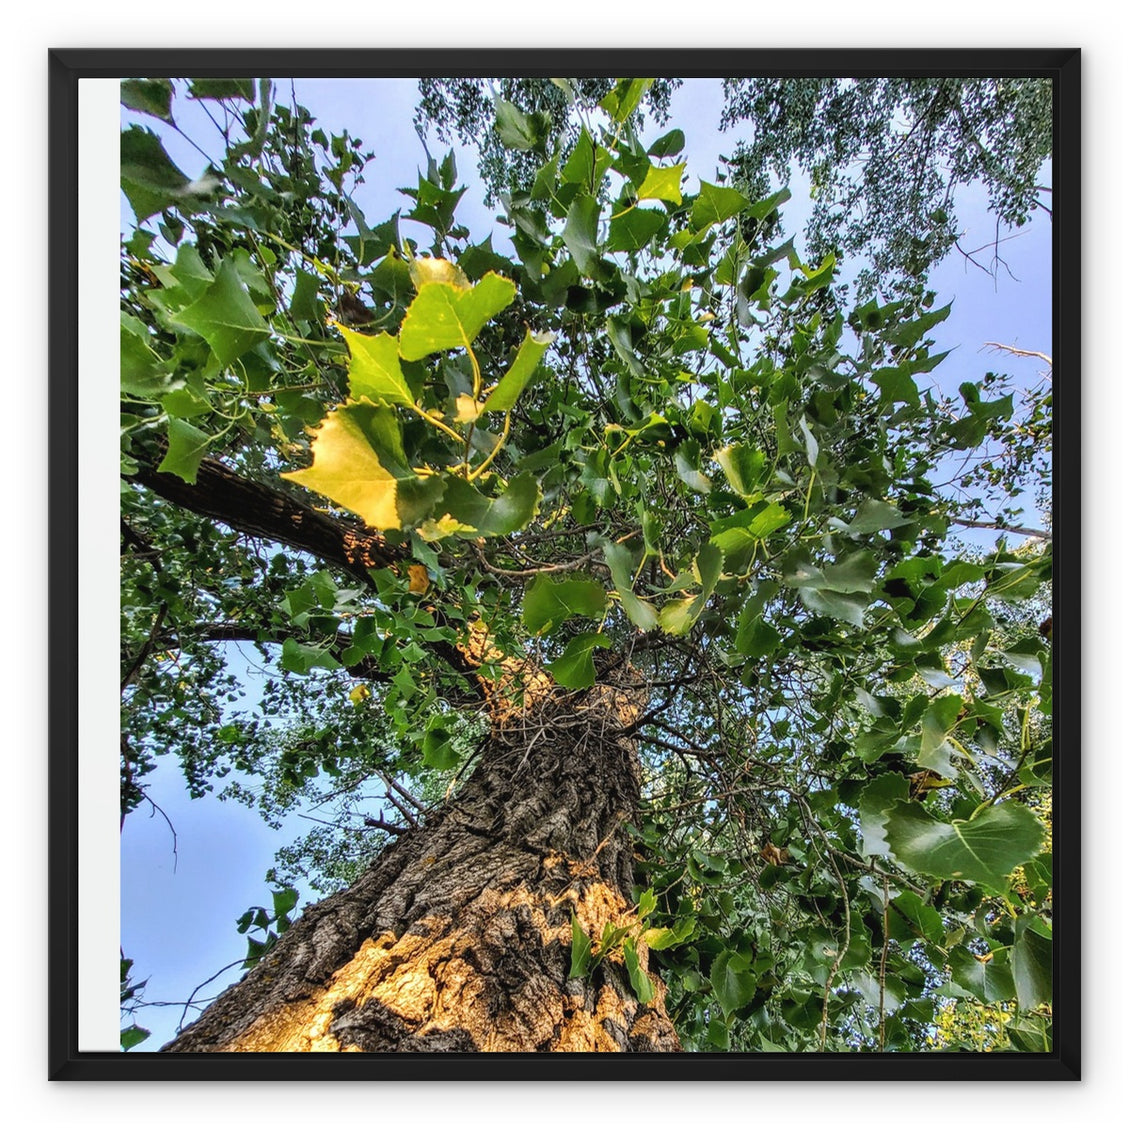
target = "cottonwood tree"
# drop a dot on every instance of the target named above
(885, 157)
(618, 562)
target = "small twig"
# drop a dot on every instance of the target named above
(525, 573)
(403, 792)
(1020, 352)
(146, 648)
(1019, 530)
(192, 995)
(384, 825)
(157, 808)
(398, 804)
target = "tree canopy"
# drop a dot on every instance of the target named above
(885, 157)
(639, 433)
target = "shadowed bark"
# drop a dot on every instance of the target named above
(251, 507)
(458, 938)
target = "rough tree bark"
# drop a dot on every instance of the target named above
(458, 938)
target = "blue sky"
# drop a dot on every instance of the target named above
(179, 925)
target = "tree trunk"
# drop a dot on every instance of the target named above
(459, 937)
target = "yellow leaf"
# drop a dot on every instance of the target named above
(467, 410)
(418, 580)
(358, 694)
(437, 529)
(359, 463)
(437, 270)
(347, 469)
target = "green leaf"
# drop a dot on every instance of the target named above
(733, 984)
(142, 374)
(849, 609)
(133, 1035)
(622, 101)
(762, 209)
(581, 951)
(148, 96)
(480, 258)
(745, 528)
(187, 447)
(907, 909)
(574, 670)
(890, 995)
(374, 368)
(436, 747)
(874, 515)
(548, 603)
(715, 204)
(640, 982)
(644, 615)
(225, 316)
(284, 900)
(1031, 963)
(853, 573)
(910, 332)
(619, 334)
(301, 658)
(444, 315)
(305, 305)
(1030, 1033)
(897, 385)
(183, 403)
(359, 463)
(1039, 876)
(515, 129)
(150, 180)
(663, 183)
(984, 850)
(717, 1034)
(669, 144)
(634, 229)
(190, 271)
(243, 88)
(988, 980)
(580, 234)
(511, 386)
(581, 164)
(876, 801)
(755, 638)
(392, 279)
(810, 445)
(743, 467)
(669, 936)
(676, 617)
(936, 753)
(686, 466)
(512, 510)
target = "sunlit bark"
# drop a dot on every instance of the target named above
(459, 937)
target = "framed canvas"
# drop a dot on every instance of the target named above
(577, 537)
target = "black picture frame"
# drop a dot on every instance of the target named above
(67, 68)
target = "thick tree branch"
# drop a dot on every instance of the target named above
(261, 511)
